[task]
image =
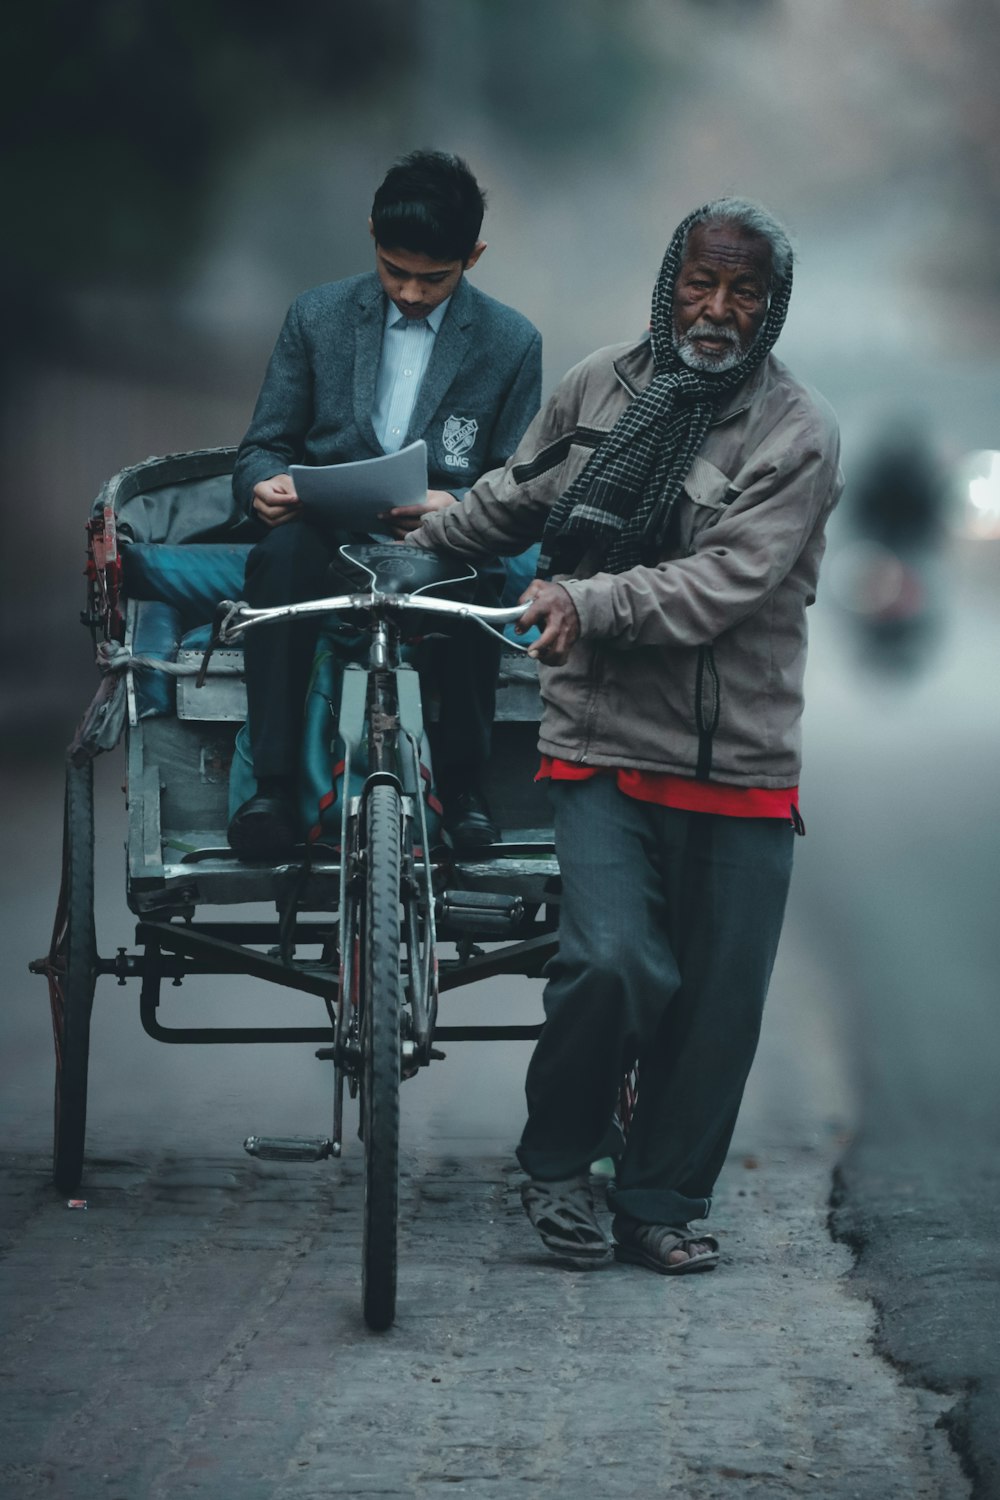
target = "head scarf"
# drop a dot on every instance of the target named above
(620, 503)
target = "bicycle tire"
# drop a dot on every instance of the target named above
(72, 976)
(380, 1047)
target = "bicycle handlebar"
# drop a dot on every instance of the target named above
(236, 617)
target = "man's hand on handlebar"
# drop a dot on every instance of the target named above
(275, 500)
(406, 518)
(553, 611)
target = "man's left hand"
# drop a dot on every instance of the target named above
(551, 608)
(406, 518)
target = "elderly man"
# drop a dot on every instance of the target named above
(680, 487)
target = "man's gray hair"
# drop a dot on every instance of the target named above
(754, 218)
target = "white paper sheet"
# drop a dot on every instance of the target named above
(351, 497)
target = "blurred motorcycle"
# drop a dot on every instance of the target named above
(889, 572)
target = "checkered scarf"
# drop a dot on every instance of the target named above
(621, 501)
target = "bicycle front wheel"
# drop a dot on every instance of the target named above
(380, 1048)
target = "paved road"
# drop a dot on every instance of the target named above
(900, 880)
(196, 1330)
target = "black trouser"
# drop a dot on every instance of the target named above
(292, 563)
(668, 929)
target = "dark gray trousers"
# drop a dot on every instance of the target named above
(667, 935)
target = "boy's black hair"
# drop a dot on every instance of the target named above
(429, 203)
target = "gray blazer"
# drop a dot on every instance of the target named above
(480, 391)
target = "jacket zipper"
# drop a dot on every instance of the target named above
(706, 724)
(591, 706)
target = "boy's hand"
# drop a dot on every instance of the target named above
(406, 518)
(275, 500)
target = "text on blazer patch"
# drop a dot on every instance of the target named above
(458, 436)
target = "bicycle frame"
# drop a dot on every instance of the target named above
(381, 715)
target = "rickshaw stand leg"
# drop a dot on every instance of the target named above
(337, 1134)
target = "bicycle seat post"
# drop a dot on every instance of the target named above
(378, 654)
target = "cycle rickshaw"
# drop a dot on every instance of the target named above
(363, 912)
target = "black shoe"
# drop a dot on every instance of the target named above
(265, 827)
(468, 820)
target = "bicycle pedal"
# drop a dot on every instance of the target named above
(481, 912)
(287, 1148)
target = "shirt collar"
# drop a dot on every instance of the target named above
(433, 320)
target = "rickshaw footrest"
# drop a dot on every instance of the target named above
(287, 1148)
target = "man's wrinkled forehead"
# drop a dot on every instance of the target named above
(726, 244)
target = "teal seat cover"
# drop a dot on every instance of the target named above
(193, 578)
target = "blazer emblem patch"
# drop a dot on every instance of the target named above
(458, 436)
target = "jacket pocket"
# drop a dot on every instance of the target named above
(706, 494)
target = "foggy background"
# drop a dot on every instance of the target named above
(175, 172)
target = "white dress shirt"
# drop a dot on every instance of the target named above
(406, 350)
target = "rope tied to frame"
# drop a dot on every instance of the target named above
(103, 722)
(114, 657)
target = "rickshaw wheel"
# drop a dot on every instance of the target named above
(72, 976)
(380, 1046)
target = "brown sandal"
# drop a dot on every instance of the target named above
(564, 1216)
(651, 1245)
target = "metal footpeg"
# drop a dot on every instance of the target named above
(482, 912)
(287, 1148)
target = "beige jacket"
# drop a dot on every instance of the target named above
(694, 665)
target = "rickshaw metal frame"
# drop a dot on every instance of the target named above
(174, 869)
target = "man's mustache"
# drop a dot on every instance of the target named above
(709, 331)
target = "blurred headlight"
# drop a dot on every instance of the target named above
(979, 494)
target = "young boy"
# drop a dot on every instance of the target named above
(361, 367)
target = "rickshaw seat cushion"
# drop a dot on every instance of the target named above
(192, 578)
(198, 639)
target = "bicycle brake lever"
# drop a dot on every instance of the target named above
(491, 630)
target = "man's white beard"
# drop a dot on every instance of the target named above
(695, 359)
